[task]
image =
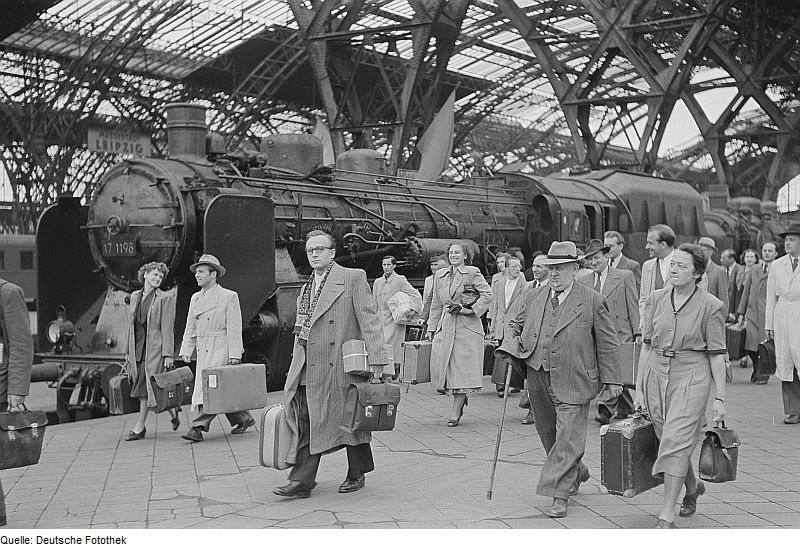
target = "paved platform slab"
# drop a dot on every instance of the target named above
(428, 475)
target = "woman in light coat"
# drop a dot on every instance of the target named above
(457, 331)
(151, 341)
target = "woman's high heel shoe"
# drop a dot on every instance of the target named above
(689, 504)
(136, 436)
(455, 422)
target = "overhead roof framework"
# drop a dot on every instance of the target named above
(540, 84)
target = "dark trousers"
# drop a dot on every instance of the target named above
(359, 457)
(791, 395)
(562, 430)
(203, 421)
(3, 408)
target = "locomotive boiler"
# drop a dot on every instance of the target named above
(252, 210)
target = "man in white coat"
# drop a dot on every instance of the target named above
(383, 289)
(214, 330)
(783, 316)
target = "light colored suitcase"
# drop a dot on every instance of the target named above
(234, 387)
(274, 438)
(416, 362)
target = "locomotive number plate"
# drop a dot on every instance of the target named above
(119, 248)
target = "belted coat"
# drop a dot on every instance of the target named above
(214, 330)
(394, 333)
(345, 310)
(15, 335)
(783, 315)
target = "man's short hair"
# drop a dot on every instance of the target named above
(435, 258)
(664, 233)
(728, 252)
(769, 242)
(317, 232)
(615, 234)
(393, 258)
(514, 258)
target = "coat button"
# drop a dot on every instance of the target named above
(333, 343)
(330, 322)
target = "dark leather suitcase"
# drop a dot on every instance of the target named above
(370, 407)
(628, 449)
(21, 436)
(734, 339)
(173, 389)
(119, 396)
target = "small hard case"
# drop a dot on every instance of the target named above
(370, 406)
(119, 396)
(234, 387)
(416, 362)
(628, 450)
(275, 436)
(173, 388)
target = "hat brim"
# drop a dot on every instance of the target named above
(219, 268)
(558, 261)
(784, 235)
(604, 249)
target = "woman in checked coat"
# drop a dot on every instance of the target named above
(456, 329)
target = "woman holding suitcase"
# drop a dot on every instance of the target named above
(683, 355)
(151, 341)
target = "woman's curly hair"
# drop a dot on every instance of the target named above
(152, 266)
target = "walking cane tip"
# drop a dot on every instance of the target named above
(489, 495)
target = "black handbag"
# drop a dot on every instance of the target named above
(21, 436)
(370, 407)
(766, 358)
(719, 454)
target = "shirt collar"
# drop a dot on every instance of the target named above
(563, 295)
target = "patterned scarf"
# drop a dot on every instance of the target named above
(302, 323)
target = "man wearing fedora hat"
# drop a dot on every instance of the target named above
(565, 336)
(782, 319)
(618, 287)
(715, 280)
(214, 330)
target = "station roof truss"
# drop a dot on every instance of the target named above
(540, 85)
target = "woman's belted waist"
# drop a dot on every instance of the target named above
(210, 333)
(672, 353)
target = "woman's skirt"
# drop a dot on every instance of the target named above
(139, 383)
(676, 392)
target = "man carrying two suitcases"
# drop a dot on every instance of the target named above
(335, 305)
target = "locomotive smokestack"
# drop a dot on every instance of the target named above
(186, 130)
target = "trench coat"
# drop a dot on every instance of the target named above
(753, 305)
(345, 310)
(160, 341)
(382, 290)
(783, 315)
(621, 297)
(457, 350)
(214, 330)
(15, 335)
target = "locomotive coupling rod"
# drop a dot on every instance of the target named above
(375, 242)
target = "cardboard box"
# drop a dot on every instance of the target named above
(629, 358)
(234, 387)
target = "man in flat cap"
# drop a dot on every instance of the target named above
(214, 330)
(715, 280)
(565, 336)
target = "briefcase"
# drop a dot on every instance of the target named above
(275, 436)
(21, 436)
(628, 450)
(766, 364)
(173, 388)
(119, 396)
(416, 366)
(370, 407)
(734, 340)
(234, 387)
(719, 454)
(629, 358)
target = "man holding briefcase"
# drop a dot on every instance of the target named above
(335, 305)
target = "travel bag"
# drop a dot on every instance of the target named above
(719, 454)
(734, 339)
(173, 388)
(766, 365)
(234, 387)
(275, 436)
(628, 450)
(119, 396)
(370, 406)
(416, 366)
(21, 436)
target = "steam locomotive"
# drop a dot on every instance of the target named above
(252, 211)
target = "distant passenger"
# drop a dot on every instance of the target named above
(616, 242)
(500, 261)
(436, 262)
(214, 330)
(540, 276)
(506, 298)
(529, 272)
(753, 307)
(734, 275)
(16, 356)
(151, 341)
(714, 279)
(655, 271)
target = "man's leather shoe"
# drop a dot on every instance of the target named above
(352, 485)
(583, 476)
(194, 435)
(242, 427)
(176, 422)
(792, 419)
(559, 508)
(295, 489)
(528, 420)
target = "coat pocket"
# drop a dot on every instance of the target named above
(592, 373)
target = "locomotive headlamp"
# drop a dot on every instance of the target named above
(61, 331)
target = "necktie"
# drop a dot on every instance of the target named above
(597, 282)
(794, 264)
(659, 277)
(554, 299)
(610, 262)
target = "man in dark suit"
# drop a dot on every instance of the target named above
(335, 305)
(619, 290)
(565, 336)
(616, 242)
(530, 272)
(734, 274)
(16, 356)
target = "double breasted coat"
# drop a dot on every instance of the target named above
(457, 351)
(783, 315)
(585, 346)
(15, 335)
(753, 305)
(621, 298)
(214, 330)
(628, 264)
(160, 340)
(345, 310)
(394, 333)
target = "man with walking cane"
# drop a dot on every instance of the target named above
(565, 336)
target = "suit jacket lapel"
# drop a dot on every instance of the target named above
(454, 284)
(333, 288)
(571, 309)
(208, 303)
(515, 294)
(612, 280)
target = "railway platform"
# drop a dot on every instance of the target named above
(90, 477)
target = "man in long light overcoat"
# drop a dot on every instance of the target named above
(383, 289)
(214, 330)
(16, 356)
(335, 305)
(564, 334)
